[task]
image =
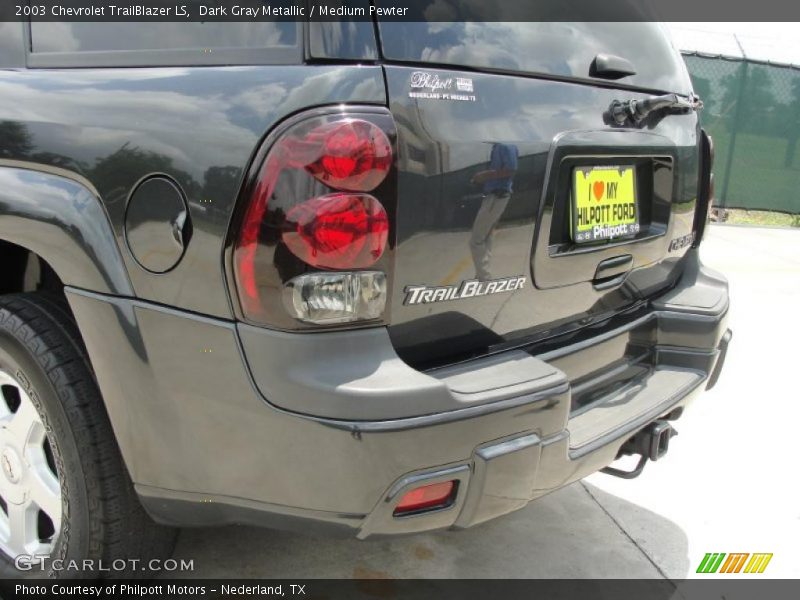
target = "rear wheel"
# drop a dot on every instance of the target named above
(30, 492)
(64, 490)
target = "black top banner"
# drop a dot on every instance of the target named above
(398, 10)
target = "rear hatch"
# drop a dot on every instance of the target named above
(498, 125)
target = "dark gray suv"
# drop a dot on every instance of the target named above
(370, 277)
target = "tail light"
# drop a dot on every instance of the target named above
(705, 193)
(338, 231)
(327, 298)
(354, 155)
(318, 203)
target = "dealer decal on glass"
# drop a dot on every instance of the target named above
(604, 203)
(429, 86)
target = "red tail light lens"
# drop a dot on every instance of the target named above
(338, 231)
(435, 495)
(308, 206)
(354, 155)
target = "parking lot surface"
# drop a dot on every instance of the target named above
(729, 483)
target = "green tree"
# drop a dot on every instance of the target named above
(16, 141)
(792, 123)
(114, 175)
(758, 100)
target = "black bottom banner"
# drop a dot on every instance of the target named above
(384, 589)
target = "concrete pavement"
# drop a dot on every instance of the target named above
(730, 480)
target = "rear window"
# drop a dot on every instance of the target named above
(553, 48)
(164, 43)
(92, 37)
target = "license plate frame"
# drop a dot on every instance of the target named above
(604, 203)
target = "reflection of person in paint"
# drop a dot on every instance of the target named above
(497, 189)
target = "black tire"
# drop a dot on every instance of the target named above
(102, 519)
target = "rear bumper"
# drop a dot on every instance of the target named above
(224, 425)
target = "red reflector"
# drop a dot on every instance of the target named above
(427, 496)
(355, 155)
(338, 231)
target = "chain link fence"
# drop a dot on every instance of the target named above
(752, 111)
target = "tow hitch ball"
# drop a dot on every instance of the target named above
(651, 443)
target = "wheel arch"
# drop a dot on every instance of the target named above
(58, 217)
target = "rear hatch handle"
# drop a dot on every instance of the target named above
(612, 272)
(636, 111)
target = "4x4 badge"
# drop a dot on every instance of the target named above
(679, 243)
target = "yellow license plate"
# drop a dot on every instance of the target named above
(604, 204)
